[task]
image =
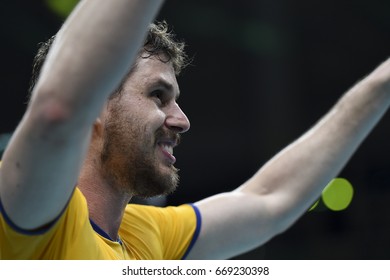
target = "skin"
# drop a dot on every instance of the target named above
(105, 146)
(82, 68)
(288, 184)
(127, 155)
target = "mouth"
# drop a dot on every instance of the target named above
(166, 148)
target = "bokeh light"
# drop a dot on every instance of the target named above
(336, 196)
(60, 7)
(314, 205)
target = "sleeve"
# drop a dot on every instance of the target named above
(56, 241)
(180, 227)
(161, 233)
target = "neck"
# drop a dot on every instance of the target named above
(106, 204)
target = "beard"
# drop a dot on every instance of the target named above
(129, 161)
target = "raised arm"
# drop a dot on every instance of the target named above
(92, 52)
(284, 188)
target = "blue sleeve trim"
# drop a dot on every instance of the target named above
(197, 230)
(38, 231)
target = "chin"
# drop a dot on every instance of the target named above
(158, 182)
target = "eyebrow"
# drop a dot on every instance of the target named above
(166, 85)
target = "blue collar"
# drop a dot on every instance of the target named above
(101, 232)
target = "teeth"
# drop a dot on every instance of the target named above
(167, 148)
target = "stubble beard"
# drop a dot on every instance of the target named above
(129, 161)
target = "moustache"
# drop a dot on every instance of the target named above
(168, 135)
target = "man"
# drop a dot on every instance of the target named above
(101, 127)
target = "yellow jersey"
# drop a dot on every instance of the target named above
(146, 232)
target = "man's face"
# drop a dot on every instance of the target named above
(141, 128)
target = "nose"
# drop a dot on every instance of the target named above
(176, 119)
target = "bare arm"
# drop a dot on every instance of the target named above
(92, 52)
(283, 189)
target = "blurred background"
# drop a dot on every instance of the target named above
(263, 72)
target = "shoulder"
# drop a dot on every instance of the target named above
(61, 239)
(159, 214)
(170, 231)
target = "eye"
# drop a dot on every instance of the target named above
(159, 96)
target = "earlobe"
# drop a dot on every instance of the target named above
(98, 128)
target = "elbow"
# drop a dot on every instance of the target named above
(284, 222)
(50, 110)
(51, 117)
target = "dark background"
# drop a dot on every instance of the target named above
(263, 73)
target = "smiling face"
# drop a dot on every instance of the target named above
(141, 126)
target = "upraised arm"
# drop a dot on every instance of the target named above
(92, 52)
(284, 188)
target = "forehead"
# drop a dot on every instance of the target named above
(151, 71)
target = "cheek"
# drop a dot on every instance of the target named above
(143, 125)
(151, 116)
(160, 117)
(140, 115)
(150, 126)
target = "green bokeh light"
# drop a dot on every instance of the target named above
(61, 7)
(314, 205)
(338, 194)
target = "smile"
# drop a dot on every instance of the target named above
(166, 148)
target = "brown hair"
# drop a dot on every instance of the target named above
(159, 42)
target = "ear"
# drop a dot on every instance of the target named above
(98, 125)
(97, 130)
